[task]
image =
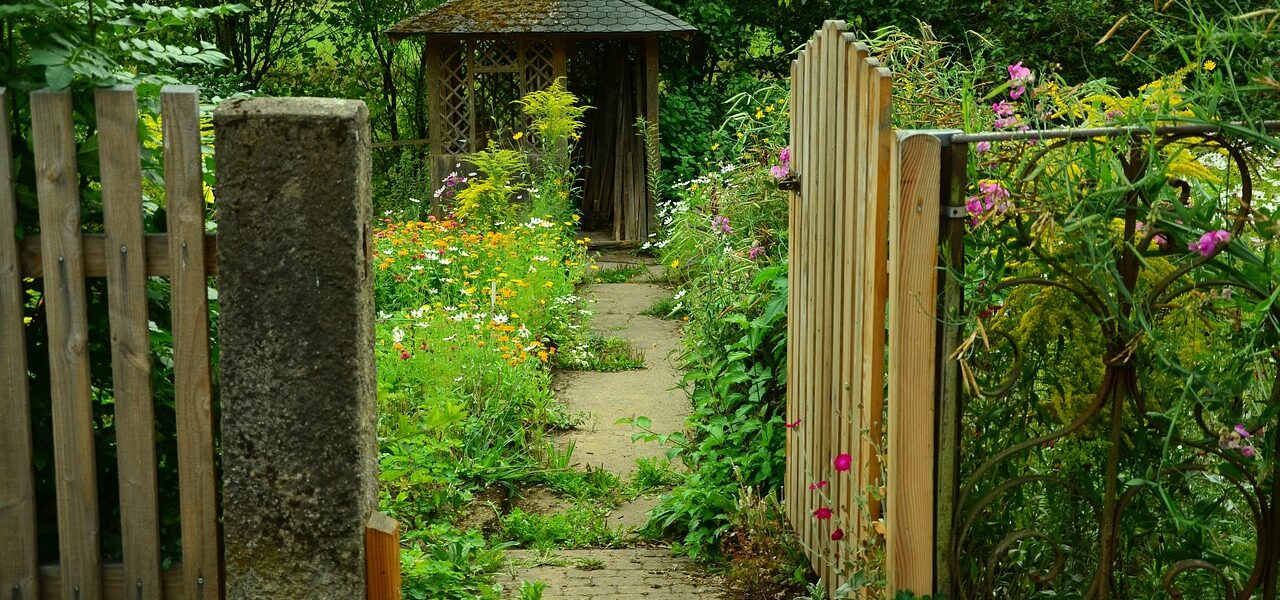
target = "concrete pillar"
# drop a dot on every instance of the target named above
(299, 450)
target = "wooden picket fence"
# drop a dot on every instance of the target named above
(64, 257)
(863, 252)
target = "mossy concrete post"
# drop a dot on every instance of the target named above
(299, 451)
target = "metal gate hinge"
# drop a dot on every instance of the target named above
(954, 212)
(790, 184)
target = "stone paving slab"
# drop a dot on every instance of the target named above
(622, 574)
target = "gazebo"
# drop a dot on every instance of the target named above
(483, 55)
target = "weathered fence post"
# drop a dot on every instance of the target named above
(298, 386)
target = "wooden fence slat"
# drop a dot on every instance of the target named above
(822, 292)
(876, 278)
(856, 417)
(17, 486)
(382, 557)
(811, 198)
(184, 192)
(57, 186)
(913, 283)
(789, 474)
(836, 249)
(121, 170)
(94, 247)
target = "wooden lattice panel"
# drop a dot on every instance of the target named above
(495, 54)
(455, 118)
(494, 96)
(539, 65)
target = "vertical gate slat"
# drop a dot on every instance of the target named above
(57, 186)
(17, 487)
(913, 283)
(855, 417)
(812, 197)
(790, 495)
(877, 279)
(822, 294)
(865, 293)
(836, 249)
(184, 192)
(130, 339)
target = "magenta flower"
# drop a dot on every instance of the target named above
(983, 147)
(1002, 109)
(819, 485)
(1005, 122)
(1242, 432)
(784, 156)
(755, 251)
(779, 172)
(404, 356)
(843, 462)
(792, 425)
(822, 513)
(1209, 242)
(1248, 451)
(837, 535)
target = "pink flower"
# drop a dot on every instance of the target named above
(843, 462)
(779, 172)
(822, 513)
(1244, 433)
(1019, 76)
(1248, 451)
(721, 223)
(404, 356)
(755, 251)
(819, 485)
(1002, 109)
(784, 156)
(984, 147)
(792, 425)
(974, 205)
(1017, 72)
(1209, 242)
(837, 535)
(1005, 122)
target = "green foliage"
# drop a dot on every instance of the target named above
(441, 563)
(595, 352)
(532, 590)
(488, 201)
(618, 274)
(580, 527)
(101, 43)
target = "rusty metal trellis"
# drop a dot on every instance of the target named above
(1026, 519)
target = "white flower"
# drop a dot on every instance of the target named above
(523, 332)
(500, 319)
(416, 268)
(445, 261)
(397, 335)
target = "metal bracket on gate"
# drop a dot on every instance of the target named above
(954, 212)
(790, 184)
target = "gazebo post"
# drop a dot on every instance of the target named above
(432, 60)
(651, 115)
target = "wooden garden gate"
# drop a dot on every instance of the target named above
(863, 252)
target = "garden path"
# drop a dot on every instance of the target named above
(601, 442)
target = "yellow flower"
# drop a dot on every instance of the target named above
(759, 114)
(1209, 65)
(715, 147)
(675, 264)
(768, 108)
(517, 135)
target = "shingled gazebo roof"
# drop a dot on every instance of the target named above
(551, 17)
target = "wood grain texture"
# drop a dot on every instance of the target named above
(789, 478)
(121, 170)
(113, 582)
(180, 109)
(913, 288)
(57, 186)
(94, 247)
(17, 487)
(382, 557)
